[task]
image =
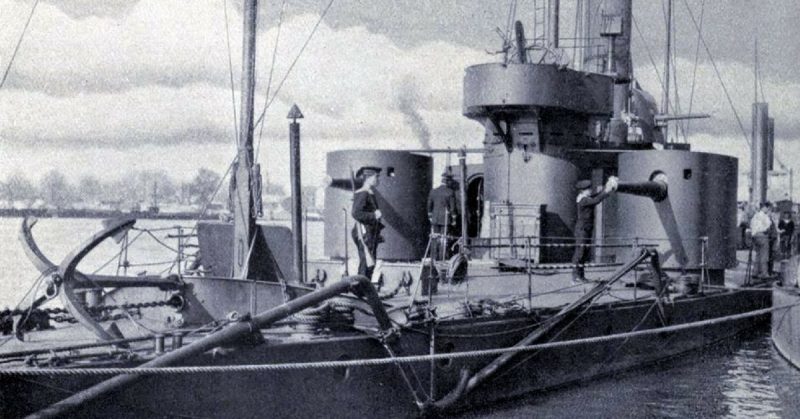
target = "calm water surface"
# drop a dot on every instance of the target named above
(744, 378)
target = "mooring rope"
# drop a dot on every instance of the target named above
(384, 361)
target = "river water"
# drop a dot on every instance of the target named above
(743, 378)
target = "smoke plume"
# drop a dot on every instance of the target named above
(407, 101)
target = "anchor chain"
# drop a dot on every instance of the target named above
(61, 315)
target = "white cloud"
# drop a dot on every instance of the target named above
(157, 80)
(147, 84)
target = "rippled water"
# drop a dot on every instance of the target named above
(741, 378)
(746, 378)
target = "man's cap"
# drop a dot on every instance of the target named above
(447, 175)
(583, 184)
(367, 171)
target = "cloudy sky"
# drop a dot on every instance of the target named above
(100, 85)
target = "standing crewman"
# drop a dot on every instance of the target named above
(586, 201)
(367, 229)
(442, 213)
(786, 231)
(760, 225)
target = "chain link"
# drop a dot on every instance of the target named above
(61, 315)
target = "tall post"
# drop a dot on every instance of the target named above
(553, 23)
(667, 51)
(244, 217)
(462, 164)
(760, 150)
(297, 198)
(770, 143)
(617, 29)
(755, 70)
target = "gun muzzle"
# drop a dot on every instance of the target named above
(653, 189)
(344, 183)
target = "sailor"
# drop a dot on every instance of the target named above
(367, 229)
(786, 231)
(760, 225)
(741, 221)
(587, 200)
(773, 236)
(442, 213)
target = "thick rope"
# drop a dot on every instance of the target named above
(385, 361)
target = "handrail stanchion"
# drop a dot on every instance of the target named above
(180, 249)
(528, 271)
(635, 246)
(346, 252)
(703, 276)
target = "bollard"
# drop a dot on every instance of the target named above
(159, 342)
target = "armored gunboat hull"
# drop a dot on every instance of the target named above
(785, 322)
(379, 390)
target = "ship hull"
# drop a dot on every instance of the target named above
(786, 324)
(375, 391)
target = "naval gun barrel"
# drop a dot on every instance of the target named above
(655, 189)
(341, 183)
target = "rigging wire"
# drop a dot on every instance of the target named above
(673, 104)
(680, 124)
(760, 78)
(719, 76)
(19, 42)
(230, 73)
(296, 58)
(649, 53)
(294, 62)
(512, 13)
(696, 61)
(269, 80)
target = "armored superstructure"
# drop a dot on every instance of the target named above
(548, 125)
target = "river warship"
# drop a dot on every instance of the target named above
(255, 330)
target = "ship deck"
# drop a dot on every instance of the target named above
(489, 288)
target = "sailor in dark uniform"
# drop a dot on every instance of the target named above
(442, 213)
(586, 201)
(367, 229)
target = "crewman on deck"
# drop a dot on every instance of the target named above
(786, 231)
(367, 229)
(442, 212)
(760, 225)
(587, 199)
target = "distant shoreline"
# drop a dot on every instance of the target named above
(82, 213)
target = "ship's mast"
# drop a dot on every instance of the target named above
(244, 214)
(667, 53)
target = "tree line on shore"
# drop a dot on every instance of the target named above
(146, 188)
